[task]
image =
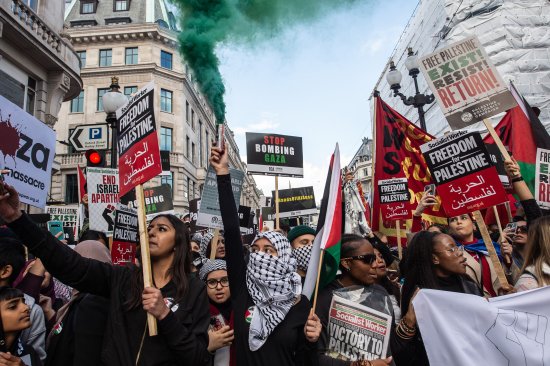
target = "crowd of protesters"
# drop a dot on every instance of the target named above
(219, 302)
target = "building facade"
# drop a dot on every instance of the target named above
(137, 42)
(361, 166)
(515, 34)
(38, 65)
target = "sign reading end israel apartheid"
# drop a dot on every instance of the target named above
(125, 235)
(394, 199)
(463, 172)
(27, 149)
(138, 145)
(542, 178)
(357, 332)
(466, 84)
(103, 191)
(209, 211)
(296, 202)
(272, 154)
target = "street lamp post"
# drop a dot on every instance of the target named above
(113, 100)
(419, 100)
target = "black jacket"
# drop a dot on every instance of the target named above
(287, 344)
(182, 338)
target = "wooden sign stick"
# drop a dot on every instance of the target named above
(277, 202)
(214, 244)
(497, 139)
(399, 246)
(508, 211)
(145, 257)
(490, 248)
(507, 258)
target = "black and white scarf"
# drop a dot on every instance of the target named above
(203, 247)
(302, 256)
(211, 266)
(273, 285)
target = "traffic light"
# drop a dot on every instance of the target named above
(95, 158)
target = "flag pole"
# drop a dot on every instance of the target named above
(399, 246)
(497, 139)
(318, 279)
(145, 257)
(508, 211)
(214, 244)
(277, 202)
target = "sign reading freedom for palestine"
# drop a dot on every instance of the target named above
(463, 172)
(271, 154)
(394, 199)
(466, 84)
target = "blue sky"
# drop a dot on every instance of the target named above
(313, 81)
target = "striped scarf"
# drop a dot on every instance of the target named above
(273, 285)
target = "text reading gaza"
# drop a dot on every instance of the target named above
(274, 149)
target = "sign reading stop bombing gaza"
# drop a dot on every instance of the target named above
(272, 154)
(467, 86)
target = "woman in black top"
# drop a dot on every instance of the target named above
(433, 262)
(270, 315)
(178, 301)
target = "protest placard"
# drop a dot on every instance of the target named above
(158, 200)
(209, 211)
(27, 150)
(394, 199)
(272, 154)
(542, 178)
(357, 332)
(498, 162)
(296, 202)
(466, 84)
(465, 177)
(244, 217)
(125, 235)
(138, 145)
(103, 195)
(68, 215)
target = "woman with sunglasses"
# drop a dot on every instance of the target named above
(220, 333)
(358, 266)
(273, 324)
(433, 261)
(536, 268)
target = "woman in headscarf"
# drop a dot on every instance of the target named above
(273, 324)
(206, 246)
(220, 334)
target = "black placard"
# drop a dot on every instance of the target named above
(273, 154)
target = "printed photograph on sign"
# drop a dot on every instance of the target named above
(103, 195)
(466, 84)
(27, 151)
(272, 154)
(464, 173)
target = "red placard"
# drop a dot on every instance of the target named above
(138, 146)
(396, 211)
(123, 253)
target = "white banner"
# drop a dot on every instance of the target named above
(511, 330)
(27, 148)
(103, 192)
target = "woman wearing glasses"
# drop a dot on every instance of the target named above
(358, 266)
(536, 268)
(433, 261)
(220, 333)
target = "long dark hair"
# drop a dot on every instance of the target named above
(179, 270)
(418, 266)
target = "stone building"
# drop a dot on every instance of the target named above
(137, 42)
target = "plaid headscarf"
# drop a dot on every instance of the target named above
(211, 266)
(273, 285)
(206, 239)
(302, 256)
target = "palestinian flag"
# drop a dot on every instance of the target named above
(522, 133)
(329, 230)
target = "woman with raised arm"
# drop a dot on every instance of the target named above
(178, 301)
(272, 320)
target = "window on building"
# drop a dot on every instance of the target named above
(187, 146)
(87, 7)
(187, 111)
(131, 56)
(82, 57)
(189, 189)
(200, 144)
(166, 60)
(33, 4)
(121, 5)
(105, 57)
(129, 90)
(100, 93)
(165, 100)
(31, 95)
(168, 179)
(192, 119)
(366, 172)
(192, 189)
(166, 139)
(192, 152)
(77, 104)
(71, 188)
(207, 142)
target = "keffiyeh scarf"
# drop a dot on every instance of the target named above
(273, 285)
(302, 256)
(211, 266)
(206, 239)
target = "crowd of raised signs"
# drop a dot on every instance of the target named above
(219, 302)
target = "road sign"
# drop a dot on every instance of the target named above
(90, 137)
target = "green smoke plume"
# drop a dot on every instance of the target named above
(206, 23)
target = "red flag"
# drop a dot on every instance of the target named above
(81, 184)
(397, 155)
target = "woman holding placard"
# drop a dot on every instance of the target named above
(178, 302)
